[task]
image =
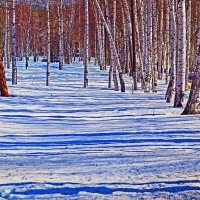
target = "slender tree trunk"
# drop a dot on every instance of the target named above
(133, 10)
(166, 37)
(111, 70)
(171, 85)
(60, 32)
(6, 37)
(48, 45)
(14, 52)
(154, 46)
(86, 43)
(188, 35)
(181, 64)
(160, 44)
(148, 43)
(28, 35)
(112, 48)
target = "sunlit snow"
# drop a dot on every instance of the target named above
(67, 142)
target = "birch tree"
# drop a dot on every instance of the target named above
(48, 44)
(131, 39)
(86, 42)
(188, 37)
(7, 37)
(134, 27)
(193, 104)
(180, 71)
(113, 70)
(28, 34)
(112, 28)
(112, 48)
(154, 45)
(148, 43)
(171, 85)
(14, 52)
(60, 32)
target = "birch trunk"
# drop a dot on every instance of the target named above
(99, 41)
(112, 47)
(166, 37)
(171, 85)
(148, 44)
(60, 32)
(160, 43)
(111, 70)
(6, 37)
(125, 46)
(193, 104)
(188, 35)
(180, 72)
(154, 46)
(14, 52)
(28, 35)
(142, 40)
(86, 42)
(48, 45)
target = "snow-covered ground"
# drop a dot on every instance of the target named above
(67, 142)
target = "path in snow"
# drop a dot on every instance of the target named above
(67, 142)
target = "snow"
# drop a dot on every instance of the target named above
(68, 142)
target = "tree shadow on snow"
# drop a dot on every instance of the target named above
(60, 188)
(103, 190)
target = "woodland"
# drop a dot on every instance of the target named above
(100, 99)
(146, 40)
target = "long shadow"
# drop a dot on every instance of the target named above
(94, 142)
(178, 182)
(98, 134)
(102, 190)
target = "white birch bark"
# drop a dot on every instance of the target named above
(193, 104)
(166, 37)
(27, 45)
(125, 46)
(6, 37)
(181, 59)
(99, 41)
(8, 40)
(60, 32)
(113, 69)
(86, 42)
(148, 44)
(160, 42)
(188, 37)
(142, 40)
(112, 47)
(129, 32)
(154, 46)
(48, 44)
(14, 51)
(171, 85)
(103, 46)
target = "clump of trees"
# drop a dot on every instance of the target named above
(148, 40)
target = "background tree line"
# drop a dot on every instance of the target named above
(147, 40)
